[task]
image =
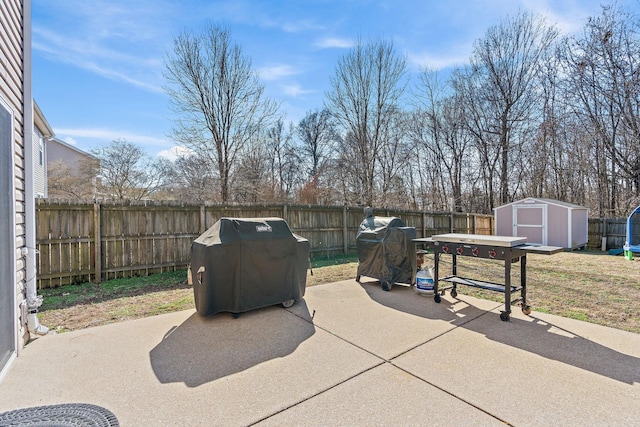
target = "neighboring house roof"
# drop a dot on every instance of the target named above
(40, 121)
(73, 157)
(64, 146)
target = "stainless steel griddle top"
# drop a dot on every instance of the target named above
(477, 239)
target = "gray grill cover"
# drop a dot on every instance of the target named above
(248, 263)
(385, 249)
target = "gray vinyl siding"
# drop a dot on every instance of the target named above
(39, 165)
(12, 79)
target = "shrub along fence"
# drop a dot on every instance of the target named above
(79, 243)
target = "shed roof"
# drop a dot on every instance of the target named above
(543, 200)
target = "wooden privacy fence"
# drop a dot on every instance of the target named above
(613, 231)
(79, 243)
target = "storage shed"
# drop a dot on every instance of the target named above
(544, 222)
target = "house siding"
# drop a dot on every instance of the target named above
(42, 132)
(12, 90)
(58, 151)
(39, 165)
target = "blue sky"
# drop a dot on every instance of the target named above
(98, 65)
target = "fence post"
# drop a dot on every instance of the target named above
(285, 212)
(97, 232)
(345, 231)
(203, 219)
(424, 224)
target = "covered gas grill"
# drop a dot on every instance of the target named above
(386, 251)
(241, 264)
(502, 248)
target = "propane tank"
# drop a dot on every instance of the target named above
(424, 282)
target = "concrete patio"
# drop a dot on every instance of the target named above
(348, 354)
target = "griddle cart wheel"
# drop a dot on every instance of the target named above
(288, 303)
(504, 316)
(437, 298)
(386, 285)
(526, 310)
(454, 293)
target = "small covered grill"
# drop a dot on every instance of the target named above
(385, 250)
(240, 264)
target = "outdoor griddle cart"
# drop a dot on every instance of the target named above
(502, 248)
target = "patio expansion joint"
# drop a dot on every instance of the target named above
(382, 362)
(443, 333)
(390, 361)
(455, 396)
(339, 337)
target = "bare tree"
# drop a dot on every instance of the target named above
(366, 88)
(191, 179)
(479, 122)
(602, 66)
(127, 173)
(438, 127)
(252, 181)
(506, 63)
(69, 183)
(395, 156)
(317, 135)
(285, 160)
(218, 99)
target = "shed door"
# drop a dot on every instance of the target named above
(7, 242)
(530, 221)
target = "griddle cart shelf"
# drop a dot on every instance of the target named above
(501, 248)
(491, 286)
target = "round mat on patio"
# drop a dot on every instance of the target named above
(68, 414)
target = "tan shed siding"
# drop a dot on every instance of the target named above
(11, 90)
(580, 227)
(557, 225)
(504, 220)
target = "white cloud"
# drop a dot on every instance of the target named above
(438, 62)
(569, 17)
(276, 72)
(294, 90)
(174, 152)
(300, 26)
(100, 51)
(332, 42)
(108, 135)
(70, 140)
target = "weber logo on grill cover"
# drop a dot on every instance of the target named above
(264, 228)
